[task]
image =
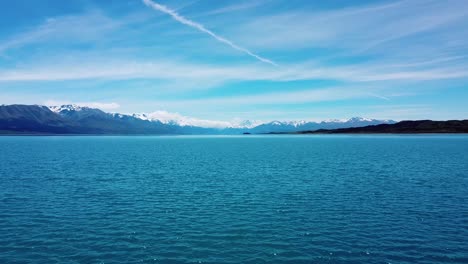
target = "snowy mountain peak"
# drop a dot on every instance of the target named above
(358, 119)
(118, 115)
(237, 123)
(294, 123)
(362, 119)
(276, 123)
(142, 116)
(69, 107)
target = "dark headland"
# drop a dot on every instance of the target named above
(403, 127)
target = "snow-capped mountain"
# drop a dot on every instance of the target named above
(87, 120)
(255, 126)
(286, 123)
(292, 126)
(64, 108)
(245, 124)
(184, 121)
(81, 119)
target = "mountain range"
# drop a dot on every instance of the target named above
(74, 119)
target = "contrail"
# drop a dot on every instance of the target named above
(201, 28)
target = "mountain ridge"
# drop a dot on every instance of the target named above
(75, 119)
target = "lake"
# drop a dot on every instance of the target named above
(234, 199)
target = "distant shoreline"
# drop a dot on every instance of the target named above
(72, 120)
(403, 127)
(228, 135)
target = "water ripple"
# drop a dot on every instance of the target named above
(384, 199)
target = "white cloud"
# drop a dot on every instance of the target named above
(276, 98)
(200, 74)
(358, 28)
(87, 27)
(352, 26)
(233, 8)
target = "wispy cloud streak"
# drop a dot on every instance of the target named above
(202, 28)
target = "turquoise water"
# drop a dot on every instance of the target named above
(246, 199)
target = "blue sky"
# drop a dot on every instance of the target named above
(230, 60)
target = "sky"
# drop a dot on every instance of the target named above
(223, 61)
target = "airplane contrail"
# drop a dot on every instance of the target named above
(201, 28)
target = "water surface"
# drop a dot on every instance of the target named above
(246, 199)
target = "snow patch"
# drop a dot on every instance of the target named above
(70, 107)
(76, 106)
(181, 120)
